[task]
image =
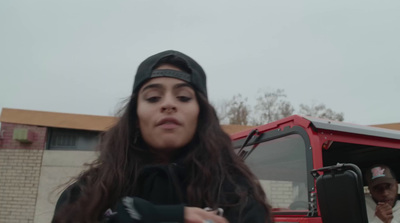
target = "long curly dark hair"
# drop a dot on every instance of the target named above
(209, 162)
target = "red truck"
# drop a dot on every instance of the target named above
(311, 169)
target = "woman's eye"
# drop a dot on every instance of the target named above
(184, 98)
(153, 99)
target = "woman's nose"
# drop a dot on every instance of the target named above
(168, 105)
(168, 109)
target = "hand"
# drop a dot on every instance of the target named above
(198, 215)
(384, 212)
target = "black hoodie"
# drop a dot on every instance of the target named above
(161, 198)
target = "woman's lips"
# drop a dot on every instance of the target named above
(168, 123)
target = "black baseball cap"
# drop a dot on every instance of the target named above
(195, 74)
(379, 174)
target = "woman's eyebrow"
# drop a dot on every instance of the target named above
(161, 86)
(150, 86)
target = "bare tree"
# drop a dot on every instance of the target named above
(221, 108)
(320, 111)
(271, 106)
(237, 110)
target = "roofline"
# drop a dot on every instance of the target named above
(394, 126)
(74, 121)
(57, 119)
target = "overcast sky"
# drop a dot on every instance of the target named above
(81, 56)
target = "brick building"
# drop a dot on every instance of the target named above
(39, 151)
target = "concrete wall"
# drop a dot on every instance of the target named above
(19, 179)
(31, 178)
(20, 165)
(58, 167)
(279, 193)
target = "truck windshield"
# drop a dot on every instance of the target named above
(280, 165)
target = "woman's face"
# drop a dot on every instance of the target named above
(168, 111)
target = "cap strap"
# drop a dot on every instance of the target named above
(171, 73)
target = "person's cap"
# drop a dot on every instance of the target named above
(379, 174)
(196, 77)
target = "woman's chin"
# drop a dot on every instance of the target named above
(168, 146)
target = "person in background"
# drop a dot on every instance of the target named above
(382, 204)
(167, 159)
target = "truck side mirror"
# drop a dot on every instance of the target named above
(340, 194)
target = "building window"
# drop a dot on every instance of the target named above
(72, 139)
(66, 140)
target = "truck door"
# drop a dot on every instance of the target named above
(282, 161)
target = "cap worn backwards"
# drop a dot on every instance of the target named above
(379, 174)
(146, 71)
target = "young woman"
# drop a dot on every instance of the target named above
(167, 159)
